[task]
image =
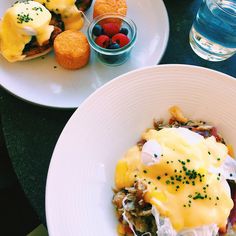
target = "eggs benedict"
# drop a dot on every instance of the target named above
(26, 31)
(68, 11)
(174, 182)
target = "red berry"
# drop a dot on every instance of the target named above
(121, 39)
(111, 29)
(102, 41)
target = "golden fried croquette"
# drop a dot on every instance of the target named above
(109, 6)
(72, 49)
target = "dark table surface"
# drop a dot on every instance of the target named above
(31, 131)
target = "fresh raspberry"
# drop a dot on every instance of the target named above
(102, 41)
(111, 29)
(120, 39)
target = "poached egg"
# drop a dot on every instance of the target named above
(186, 182)
(19, 23)
(70, 14)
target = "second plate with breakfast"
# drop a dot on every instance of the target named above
(88, 164)
(42, 81)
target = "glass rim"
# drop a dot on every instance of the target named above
(227, 12)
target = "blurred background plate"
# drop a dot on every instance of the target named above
(43, 82)
(81, 172)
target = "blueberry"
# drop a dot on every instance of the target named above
(113, 46)
(124, 31)
(97, 30)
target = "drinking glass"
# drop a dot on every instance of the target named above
(213, 33)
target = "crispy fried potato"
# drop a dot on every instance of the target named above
(177, 114)
(72, 49)
(108, 7)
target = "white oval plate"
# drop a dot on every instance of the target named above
(81, 173)
(39, 82)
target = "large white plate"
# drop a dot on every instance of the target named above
(81, 173)
(39, 82)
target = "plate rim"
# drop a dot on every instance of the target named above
(222, 76)
(40, 103)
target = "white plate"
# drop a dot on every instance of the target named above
(39, 82)
(81, 173)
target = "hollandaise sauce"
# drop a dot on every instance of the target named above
(19, 23)
(175, 164)
(71, 16)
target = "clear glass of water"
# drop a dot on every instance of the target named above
(213, 33)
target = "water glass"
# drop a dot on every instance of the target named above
(213, 33)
